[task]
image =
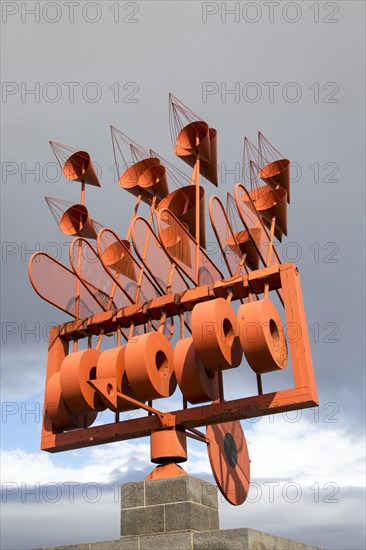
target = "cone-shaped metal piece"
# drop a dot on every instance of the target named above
(175, 242)
(277, 173)
(168, 446)
(271, 202)
(208, 163)
(154, 181)
(182, 203)
(76, 221)
(79, 167)
(247, 246)
(116, 258)
(187, 140)
(138, 183)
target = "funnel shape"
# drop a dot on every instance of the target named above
(276, 174)
(208, 162)
(182, 203)
(116, 258)
(133, 181)
(79, 167)
(271, 202)
(244, 241)
(76, 221)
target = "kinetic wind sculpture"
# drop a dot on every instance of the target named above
(158, 285)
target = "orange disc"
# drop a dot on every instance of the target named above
(214, 326)
(76, 369)
(196, 383)
(111, 364)
(229, 459)
(262, 336)
(149, 361)
(56, 410)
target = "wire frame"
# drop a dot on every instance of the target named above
(139, 288)
(179, 116)
(274, 169)
(75, 164)
(237, 248)
(242, 208)
(192, 138)
(250, 154)
(58, 285)
(73, 219)
(128, 284)
(88, 267)
(126, 151)
(178, 243)
(159, 265)
(145, 176)
(152, 254)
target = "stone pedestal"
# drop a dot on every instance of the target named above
(180, 513)
(168, 505)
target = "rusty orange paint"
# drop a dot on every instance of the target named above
(262, 336)
(168, 446)
(214, 333)
(229, 459)
(197, 384)
(149, 366)
(112, 292)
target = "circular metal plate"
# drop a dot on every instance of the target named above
(229, 459)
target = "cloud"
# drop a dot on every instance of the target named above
(303, 473)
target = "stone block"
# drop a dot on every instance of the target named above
(146, 519)
(180, 489)
(245, 539)
(190, 515)
(167, 541)
(132, 495)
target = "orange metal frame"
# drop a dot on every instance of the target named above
(302, 395)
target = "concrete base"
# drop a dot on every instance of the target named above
(180, 513)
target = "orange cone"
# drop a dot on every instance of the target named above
(76, 221)
(79, 167)
(276, 174)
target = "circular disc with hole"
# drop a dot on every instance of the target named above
(229, 459)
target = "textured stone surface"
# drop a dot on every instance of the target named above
(146, 519)
(167, 541)
(132, 495)
(180, 514)
(190, 515)
(245, 539)
(227, 539)
(180, 489)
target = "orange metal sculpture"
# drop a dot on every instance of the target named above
(108, 291)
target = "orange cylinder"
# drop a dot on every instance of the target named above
(149, 362)
(168, 446)
(197, 384)
(76, 369)
(111, 364)
(262, 336)
(56, 410)
(214, 335)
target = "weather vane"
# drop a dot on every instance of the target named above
(168, 305)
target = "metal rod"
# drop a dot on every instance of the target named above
(197, 213)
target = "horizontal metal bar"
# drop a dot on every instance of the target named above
(237, 409)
